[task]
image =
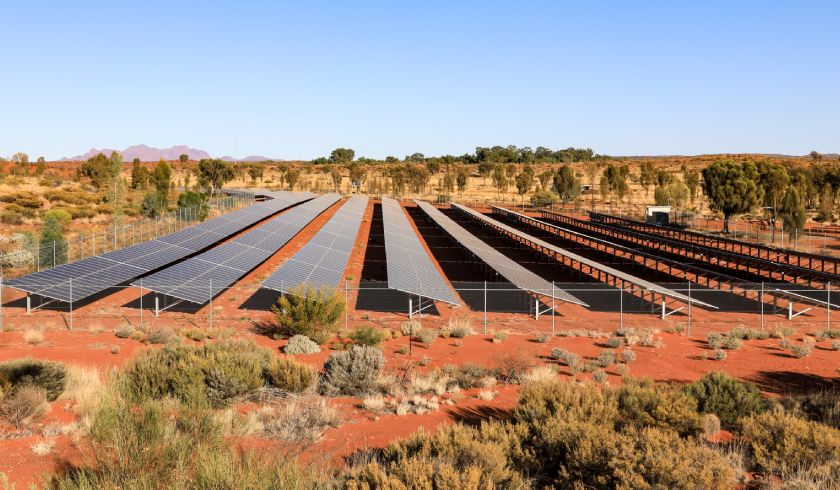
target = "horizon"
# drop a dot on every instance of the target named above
(294, 82)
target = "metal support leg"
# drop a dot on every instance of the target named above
(157, 306)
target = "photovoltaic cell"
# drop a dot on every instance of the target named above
(410, 269)
(200, 278)
(512, 271)
(86, 277)
(321, 262)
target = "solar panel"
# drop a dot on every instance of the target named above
(200, 278)
(410, 269)
(321, 262)
(512, 271)
(573, 256)
(86, 277)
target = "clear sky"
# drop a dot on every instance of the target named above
(294, 80)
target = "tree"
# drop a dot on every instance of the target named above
(342, 155)
(545, 177)
(692, 181)
(500, 181)
(565, 184)
(151, 205)
(21, 161)
(183, 158)
(675, 194)
(462, 176)
(162, 179)
(139, 175)
(335, 175)
(358, 175)
(614, 181)
(41, 166)
(523, 184)
(391, 160)
(647, 175)
(195, 200)
(774, 180)
(815, 155)
(793, 213)
(98, 169)
(663, 178)
(53, 245)
(731, 188)
(291, 177)
(256, 172)
(214, 173)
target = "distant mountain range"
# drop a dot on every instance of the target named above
(149, 154)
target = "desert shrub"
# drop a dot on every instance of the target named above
(194, 333)
(9, 217)
(367, 335)
(822, 407)
(720, 355)
(643, 404)
(510, 367)
(51, 376)
(731, 343)
(298, 420)
(23, 407)
(301, 344)
(161, 336)
(290, 375)
(33, 336)
(352, 372)
(309, 311)
(542, 338)
(467, 375)
(606, 358)
(459, 327)
(715, 340)
(711, 424)
(210, 374)
(835, 345)
(427, 337)
(802, 350)
(615, 342)
(781, 332)
(738, 332)
(646, 337)
(726, 397)
(499, 337)
(628, 356)
(599, 376)
(123, 331)
(411, 328)
(61, 215)
(829, 333)
(149, 446)
(782, 443)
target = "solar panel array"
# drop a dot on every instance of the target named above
(507, 268)
(202, 277)
(573, 256)
(321, 262)
(409, 267)
(86, 277)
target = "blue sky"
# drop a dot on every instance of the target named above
(295, 80)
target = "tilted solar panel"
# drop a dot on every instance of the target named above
(321, 262)
(410, 269)
(86, 277)
(200, 278)
(512, 271)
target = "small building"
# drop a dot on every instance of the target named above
(658, 215)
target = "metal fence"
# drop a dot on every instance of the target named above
(487, 307)
(36, 257)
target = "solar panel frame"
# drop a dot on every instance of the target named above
(410, 269)
(322, 261)
(512, 271)
(200, 278)
(83, 278)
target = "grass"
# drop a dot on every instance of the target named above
(33, 336)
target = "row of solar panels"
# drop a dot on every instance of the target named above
(87, 277)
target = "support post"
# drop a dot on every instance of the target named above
(141, 302)
(410, 309)
(157, 306)
(28, 303)
(71, 303)
(761, 300)
(688, 330)
(485, 307)
(536, 309)
(346, 307)
(621, 308)
(663, 307)
(827, 308)
(211, 303)
(553, 312)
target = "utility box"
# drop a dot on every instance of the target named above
(658, 215)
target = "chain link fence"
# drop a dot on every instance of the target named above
(487, 307)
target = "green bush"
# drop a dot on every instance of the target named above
(301, 344)
(147, 446)
(782, 443)
(289, 375)
(726, 397)
(366, 335)
(352, 372)
(309, 311)
(51, 376)
(822, 407)
(60, 215)
(211, 374)
(643, 404)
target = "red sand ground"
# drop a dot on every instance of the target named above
(680, 359)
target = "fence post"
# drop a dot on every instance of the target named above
(621, 308)
(828, 306)
(553, 312)
(71, 303)
(761, 300)
(485, 307)
(211, 303)
(688, 330)
(141, 302)
(53, 262)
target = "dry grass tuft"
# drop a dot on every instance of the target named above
(33, 336)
